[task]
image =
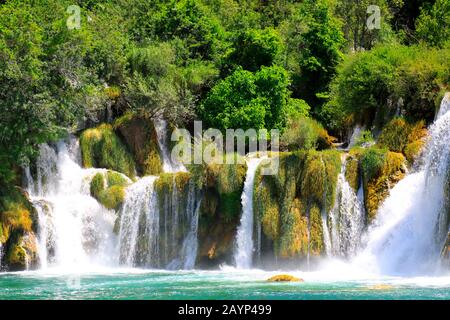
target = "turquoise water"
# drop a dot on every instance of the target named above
(224, 284)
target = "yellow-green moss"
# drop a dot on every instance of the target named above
(266, 206)
(381, 171)
(402, 137)
(97, 185)
(112, 197)
(284, 278)
(141, 138)
(102, 148)
(16, 212)
(316, 244)
(352, 172)
(294, 237)
(22, 252)
(304, 179)
(319, 177)
(110, 192)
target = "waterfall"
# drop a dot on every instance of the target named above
(410, 228)
(74, 229)
(140, 200)
(190, 243)
(169, 165)
(445, 106)
(244, 239)
(159, 232)
(354, 136)
(346, 220)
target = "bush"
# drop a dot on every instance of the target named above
(246, 100)
(372, 87)
(400, 136)
(304, 133)
(254, 48)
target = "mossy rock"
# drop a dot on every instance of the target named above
(220, 210)
(319, 177)
(22, 252)
(284, 278)
(294, 231)
(352, 174)
(402, 137)
(16, 212)
(289, 204)
(112, 198)
(381, 172)
(141, 138)
(316, 241)
(109, 191)
(102, 148)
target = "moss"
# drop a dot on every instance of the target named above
(284, 278)
(97, 185)
(220, 209)
(394, 135)
(182, 179)
(294, 227)
(110, 192)
(16, 212)
(402, 137)
(413, 150)
(352, 172)
(266, 206)
(102, 148)
(319, 177)
(304, 179)
(228, 180)
(112, 197)
(316, 243)
(381, 171)
(115, 179)
(164, 184)
(141, 138)
(22, 252)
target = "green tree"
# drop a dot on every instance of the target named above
(253, 49)
(248, 100)
(433, 24)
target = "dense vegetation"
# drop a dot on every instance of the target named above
(231, 63)
(314, 69)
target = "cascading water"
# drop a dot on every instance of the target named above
(75, 231)
(346, 220)
(159, 233)
(140, 200)
(244, 239)
(410, 227)
(169, 165)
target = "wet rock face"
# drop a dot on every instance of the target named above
(22, 253)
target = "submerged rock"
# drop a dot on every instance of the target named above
(284, 278)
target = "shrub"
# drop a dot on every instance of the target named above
(304, 133)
